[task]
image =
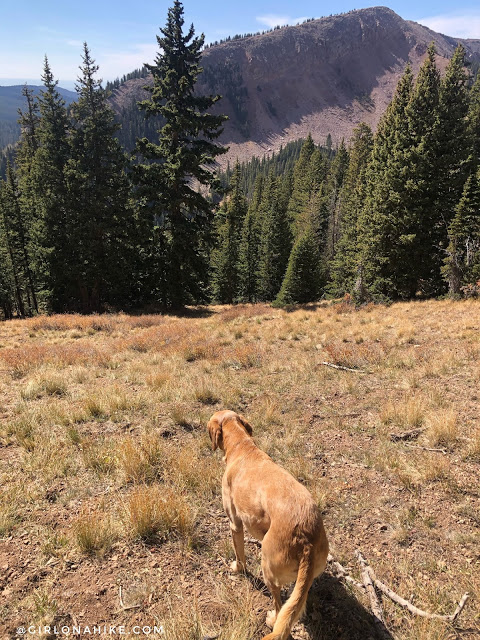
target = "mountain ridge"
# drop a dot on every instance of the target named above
(321, 77)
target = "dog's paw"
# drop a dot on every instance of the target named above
(237, 567)
(271, 617)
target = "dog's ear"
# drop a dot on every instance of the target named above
(247, 425)
(215, 431)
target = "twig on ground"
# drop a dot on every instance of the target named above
(342, 573)
(338, 366)
(375, 602)
(417, 446)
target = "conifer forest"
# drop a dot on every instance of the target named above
(86, 226)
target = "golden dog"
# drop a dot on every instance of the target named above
(274, 508)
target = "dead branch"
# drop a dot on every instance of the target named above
(342, 574)
(406, 604)
(337, 366)
(406, 435)
(375, 602)
(417, 446)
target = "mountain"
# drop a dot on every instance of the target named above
(11, 100)
(323, 76)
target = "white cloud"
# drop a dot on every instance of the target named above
(113, 65)
(75, 43)
(458, 25)
(271, 20)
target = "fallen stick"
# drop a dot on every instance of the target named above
(406, 604)
(375, 602)
(417, 446)
(337, 366)
(342, 574)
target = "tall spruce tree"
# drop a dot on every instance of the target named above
(182, 160)
(98, 192)
(18, 246)
(303, 279)
(462, 264)
(275, 242)
(56, 236)
(225, 257)
(383, 256)
(249, 246)
(344, 267)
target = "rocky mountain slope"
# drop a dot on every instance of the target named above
(323, 76)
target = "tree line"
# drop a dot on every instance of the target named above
(395, 216)
(83, 226)
(86, 227)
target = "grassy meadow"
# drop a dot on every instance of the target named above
(110, 501)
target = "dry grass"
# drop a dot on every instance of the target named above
(108, 477)
(154, 512)
(93, 533)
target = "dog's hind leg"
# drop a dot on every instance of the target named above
(238, 564)
(274, 590)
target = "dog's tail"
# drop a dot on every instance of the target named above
(294, 606)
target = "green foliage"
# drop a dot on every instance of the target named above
(462, 264)
(180, 161)
(225, 256)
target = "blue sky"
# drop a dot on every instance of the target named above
(121, 34)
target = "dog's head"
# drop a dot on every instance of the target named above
(215, 426)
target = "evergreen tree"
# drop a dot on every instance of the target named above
(17, 245)
(275, 242)
(167, 186)
(302, 278)
(249, 246)
(56, 237)
(462, 264)
(98, 192)
(391, 227)
(344, 268)
(25, 189)
(446, 169)
(302, 182)
(473, 124)
(331, 199)
(225, 258)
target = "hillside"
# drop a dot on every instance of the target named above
(323, 76)
(110, 508)
(11, 100)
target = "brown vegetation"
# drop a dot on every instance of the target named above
(108, 478)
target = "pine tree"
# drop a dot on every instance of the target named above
(301, 283)
(344, 268)
(225, 258)
(331, 199)
(54, 233)
(447, 169)
(98, 191)
(302, 182)
(275, 242)
(462, 264)
(473, 124)
(391, 227)
(17, 245)
(249, 246)
(182, 160)
(9, 286)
